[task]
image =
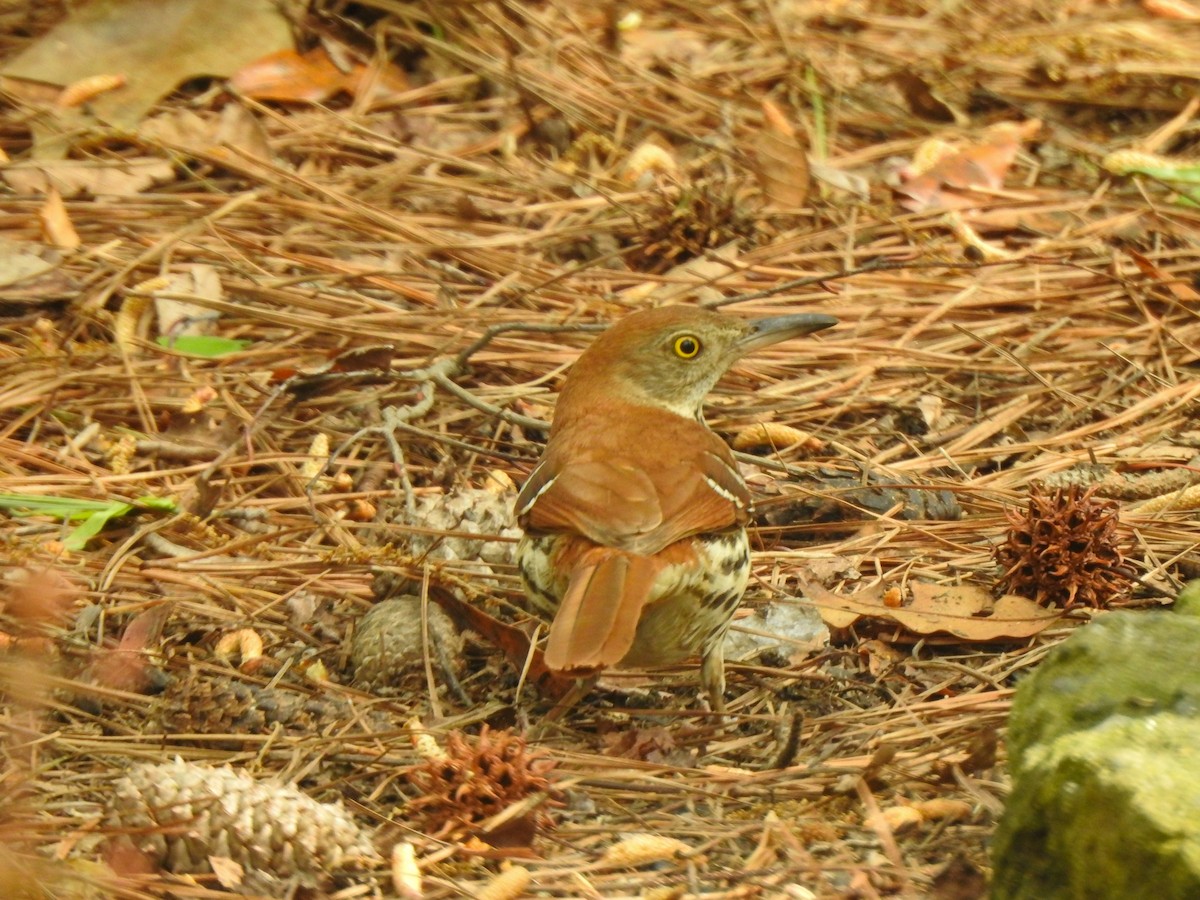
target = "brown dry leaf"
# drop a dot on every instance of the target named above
(645, 48)
(313, 77)
(156, 44)
(942, 176)
(74, 177)
(37, 597)
(965, 611)
(781, 162)
(236, 139)
(179, 317)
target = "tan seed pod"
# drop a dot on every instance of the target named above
(943, 809)
(425, 743)
(406, 871)
(245, 643)
(640, 849)
(775, 436)
(79, 92)
(507, 885)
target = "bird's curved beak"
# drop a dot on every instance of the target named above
(764, 332)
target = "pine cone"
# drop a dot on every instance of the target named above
(388, 644)
(1064, 550)
(179, 814)
(223, 705)
(465, 524)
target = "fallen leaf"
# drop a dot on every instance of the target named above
(128, 666)
(72, 178)
(646, 48)
(964, 611)
(781, 162)
(156, 44)
(313, 77)
(943, 176)
(179, 318)
(287, 76)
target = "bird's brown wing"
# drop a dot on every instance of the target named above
(624, 503)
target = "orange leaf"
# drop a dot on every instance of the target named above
(290, 77)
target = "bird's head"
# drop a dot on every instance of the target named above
(671, 357)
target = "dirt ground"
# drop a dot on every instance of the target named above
(272, 354)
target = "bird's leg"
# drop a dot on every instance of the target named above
(712, 674)
(563, 705)
(571, 698)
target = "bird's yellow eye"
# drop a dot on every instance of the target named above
(687, 346)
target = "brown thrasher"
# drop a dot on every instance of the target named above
(635, 518)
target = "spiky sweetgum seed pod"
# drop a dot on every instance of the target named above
(1064, 549)
(180, 814)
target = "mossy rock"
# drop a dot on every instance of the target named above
(1104, 742)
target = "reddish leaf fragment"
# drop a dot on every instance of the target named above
(128, 667)
(1178, 287)
(312, 77)
(946, 175)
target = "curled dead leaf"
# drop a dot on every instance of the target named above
(900, 818)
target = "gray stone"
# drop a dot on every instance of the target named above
(1104, 745)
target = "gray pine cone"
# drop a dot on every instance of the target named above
(180, 813)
